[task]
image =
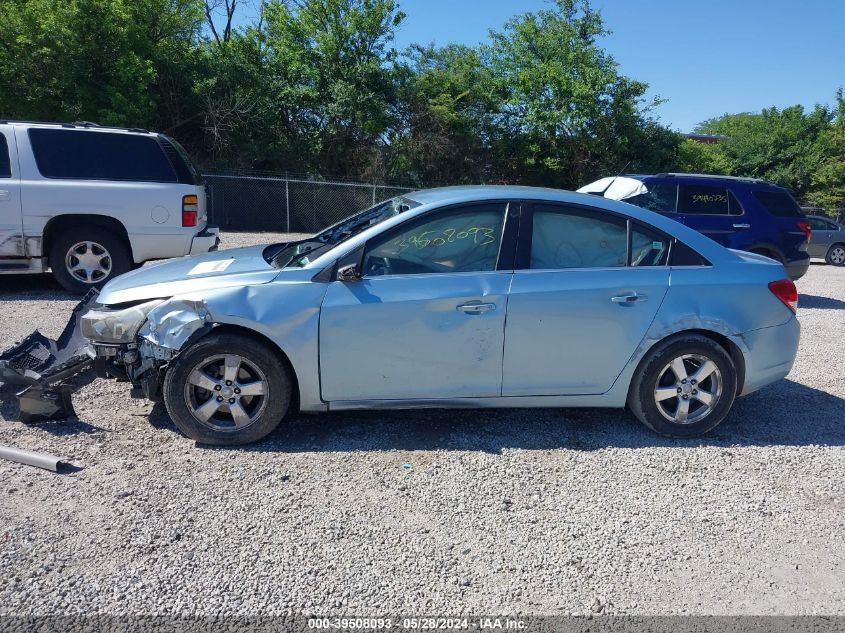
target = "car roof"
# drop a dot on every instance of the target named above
(708, 177)
(78, 125)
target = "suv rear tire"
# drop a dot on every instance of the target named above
(668, 390)
(87, 257)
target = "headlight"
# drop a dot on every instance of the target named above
(116, 326)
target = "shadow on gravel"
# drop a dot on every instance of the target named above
(813, 302)
(786, 413)
(32, 286)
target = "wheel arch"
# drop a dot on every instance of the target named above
(74, 220)
(228, 328)
(723, 341)
(767, 249)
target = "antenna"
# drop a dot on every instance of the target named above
(621, 171)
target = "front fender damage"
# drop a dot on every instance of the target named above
(166, 331)
(170, 326)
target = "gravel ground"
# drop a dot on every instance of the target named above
(519, 511)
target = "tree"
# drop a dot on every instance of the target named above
(804, 151)
(447, 97)
(97, 60)
(566, 113)
(827, 186)
(330, 69)
(701, 158)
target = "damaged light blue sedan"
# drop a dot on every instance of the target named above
(454, 297)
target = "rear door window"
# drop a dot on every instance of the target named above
(568, 238)
(707, 200)
(820, 225)
(88, 155)
(648, 247)
(778, 203)
(5, 162)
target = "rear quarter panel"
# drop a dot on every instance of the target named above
(732, 299)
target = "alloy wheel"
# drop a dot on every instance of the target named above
(837, 255)
(688, 388)
(88, 262)
(226, 392)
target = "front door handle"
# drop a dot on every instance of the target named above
(629, 299)
(742, 226)
(476, 308)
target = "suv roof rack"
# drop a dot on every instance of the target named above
(717, 177)
(83, 124)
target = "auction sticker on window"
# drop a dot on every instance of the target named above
(210, 267)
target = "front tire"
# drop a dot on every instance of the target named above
(836, 255)
(227, 389)
(88, 257)
(684, 387)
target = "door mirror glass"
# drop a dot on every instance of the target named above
(349, 272)
(454, 241)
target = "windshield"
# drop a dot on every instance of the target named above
(302, 252)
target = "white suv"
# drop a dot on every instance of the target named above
(92, 202)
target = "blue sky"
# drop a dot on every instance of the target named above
(707, 57)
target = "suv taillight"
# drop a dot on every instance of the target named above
(805, 226)
(786, 291)
(189, 210)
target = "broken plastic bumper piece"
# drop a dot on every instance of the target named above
(41, 365)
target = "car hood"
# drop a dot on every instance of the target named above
(615, 187)
(235, 267)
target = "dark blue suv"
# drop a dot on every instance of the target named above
(743, 213)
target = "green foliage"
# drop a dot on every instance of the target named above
(794, 148)
(703, 158)
(566, 113)
(96, 60)
(317, 86)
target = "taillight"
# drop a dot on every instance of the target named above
(786, 291)
(805, 226)
(189, 210)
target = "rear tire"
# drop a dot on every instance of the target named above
(227, 389)
(684, 387)
(836, 255)
(88, 257)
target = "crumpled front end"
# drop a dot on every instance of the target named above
(136, 347)
(41, 366)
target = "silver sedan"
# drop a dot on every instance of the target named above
(827, 241)
(455, 297)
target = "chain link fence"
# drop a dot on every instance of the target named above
(281, 203)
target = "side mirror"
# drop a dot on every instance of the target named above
(349, 272)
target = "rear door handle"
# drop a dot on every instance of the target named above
(629, 299)
(4, 195)
(742, 226)
(476, 308)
